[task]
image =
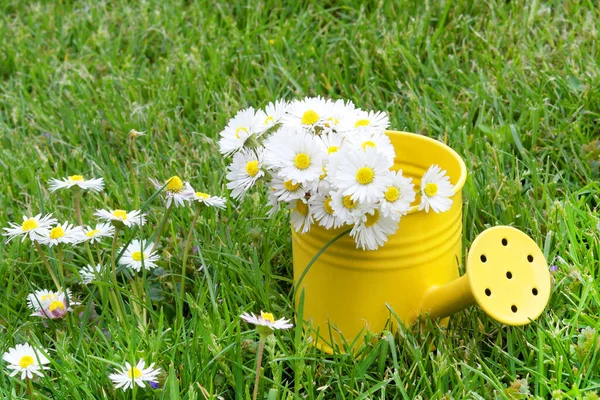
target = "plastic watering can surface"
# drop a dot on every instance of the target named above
(348, 290)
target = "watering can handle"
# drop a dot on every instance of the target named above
(507, 275)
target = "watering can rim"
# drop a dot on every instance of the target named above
(463, 168)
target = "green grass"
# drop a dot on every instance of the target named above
(513, 87)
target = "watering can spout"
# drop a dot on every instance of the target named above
(507, 276)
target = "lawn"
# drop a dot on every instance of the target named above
(512, 86)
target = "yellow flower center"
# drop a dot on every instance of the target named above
(267, 316)
(269, 119)
(302, 161)
(29, 225)
(365, 175)
(92, 233)
(334, 121)
(137, 255)
(391, 194)
(202, 195)
(431, 189)
(271, 42)
(362, 122)
(324, 174)
(134, 373)
(241, 129)
(56, 304)
(349, 203)
(57, 233)
(121, 214)
(252, 167)
(327, 206)
(26, 361)
(49, 296)
(291, 187)
(332, 149)
(76, 178)
(301, 207)
(175, 184)
(368, 143)
(372, 218)
(309, 117)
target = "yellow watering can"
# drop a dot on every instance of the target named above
(347, 290)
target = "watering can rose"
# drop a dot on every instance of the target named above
(329, 163)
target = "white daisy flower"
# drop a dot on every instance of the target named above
(297, 155)
(306, 114)
(322, 210)
(363, 175)
(372, 229)
(272, 202)
(25, 359)
(136, 256)
(436, 190)
(32, 227)
(128, 219)
(244, 171)
(287, 190)
(207, 199)
(377, 121)
(338, 113)
(398, 195)
(102, 229)
(133, 133)
(271, 116)
(266, 323)
(175, 190)
(48, 304)
(93, 185)
(346, 209)
(331, 142)
(238, 130)
(128, 375)
(364, 138)
(62, 233)
(90, 273)
(301, 216)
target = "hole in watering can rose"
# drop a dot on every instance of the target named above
(504, 242)
(534, 291)
(530, 258)
(509, 275)
(513, 308)
(483, 258)
(488, 292)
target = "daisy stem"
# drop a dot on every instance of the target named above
(48, 266)
(113, 250)
(186, 251)
(115, 290)
(136, 309)
(261, 347)
(162, 226)
(78, 208)
(61, 271)
(29, 388)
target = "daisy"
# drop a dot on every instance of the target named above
(436, 190)
(376, 121)
(128, 375)
(48, 304)
(128, 219)
(322, 211)
(365, 138)
(62, 233)
(331, 142)
(287, 190)
(93, 185)
(272, 202)
(238, 130)
(372, 229)
(346, 209)
(306, 114)
(133, 133)
(175, 190)
(137, 256)
(90, 273)
(271, 116)
(101, 230)
(337, 113)
(301, 217)
(208, 200)
(297, 155)
(266, 323)
(244, 171)
(32, 227)
(25, 359)
(363, 175)
(398, 196)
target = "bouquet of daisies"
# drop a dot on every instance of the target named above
(329, 163)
